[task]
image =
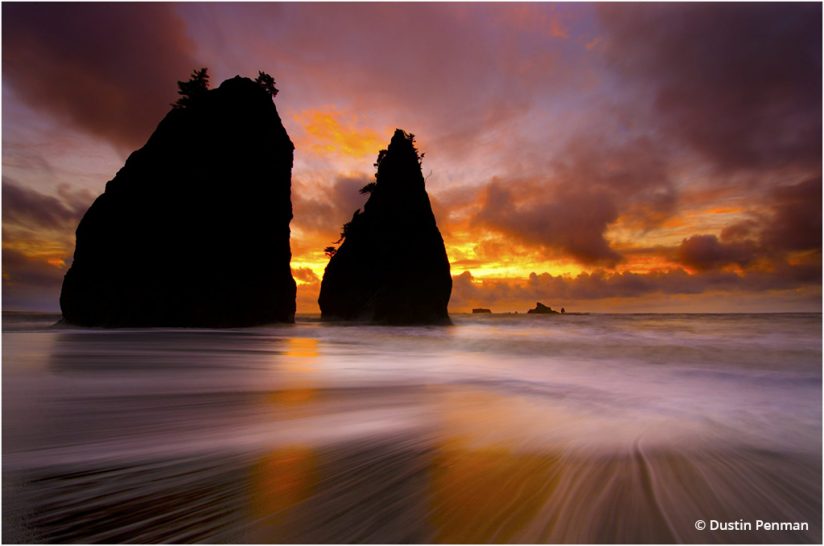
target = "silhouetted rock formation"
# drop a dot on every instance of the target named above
(392, 266)
(481, 310)
(542, 309)
(194, 229)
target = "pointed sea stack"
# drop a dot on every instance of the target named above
(194, 229)
(392, 267)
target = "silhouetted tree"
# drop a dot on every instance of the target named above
(369, 188)
(190, 90)
(267, 82)
(411, 138)
(408, 136)
(347, 228)
(330, 251)
(377, 163)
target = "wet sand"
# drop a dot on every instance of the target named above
(397, 492)
(484, 433)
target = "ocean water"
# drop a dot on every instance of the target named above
(501, 428)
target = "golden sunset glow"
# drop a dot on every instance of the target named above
(47, 251)
(332, 132)
(561, 162)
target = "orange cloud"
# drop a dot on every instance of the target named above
(304, 275)
(332, 132)
(602, 290)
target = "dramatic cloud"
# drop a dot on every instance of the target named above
(20, 270)
(304, 275)
(38, 235)
(30, 282)
(791, 223)
(591, 185)
(109, 68)
(795, 223)
(738, 82)
(571, 220)
(328, 132)
(600, 285)
(31, 209)
(453, 74)
(618, 151)
(704, 252)
(328, 211)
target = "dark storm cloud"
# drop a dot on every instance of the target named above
(738, 82)
(571, 220)
(791, 223)
(108, 68)
(795, 223)
(592, 184)
(705, 252)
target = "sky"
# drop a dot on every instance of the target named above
(598, 157)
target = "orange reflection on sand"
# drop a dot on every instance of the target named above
(482, 490)
(297, 371)
(280, 481)
(285, 477)
(488, 494)
(301, 347)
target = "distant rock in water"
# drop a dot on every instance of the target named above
(194, 229)
(392, 267)
(481, 310)
(542, 309)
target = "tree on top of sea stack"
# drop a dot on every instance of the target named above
(267, 82)
(392, 266)
(195, 87)
(194, 229)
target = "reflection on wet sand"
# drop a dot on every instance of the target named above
(494, 496)
(487, 486)
(390, 493)
(250, 437)
(297, 366)
(450, 485)
(285, 478)
(280, 481)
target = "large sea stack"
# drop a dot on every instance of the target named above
(392, 266)
(194, 229)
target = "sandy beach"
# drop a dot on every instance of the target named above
(598, 428)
